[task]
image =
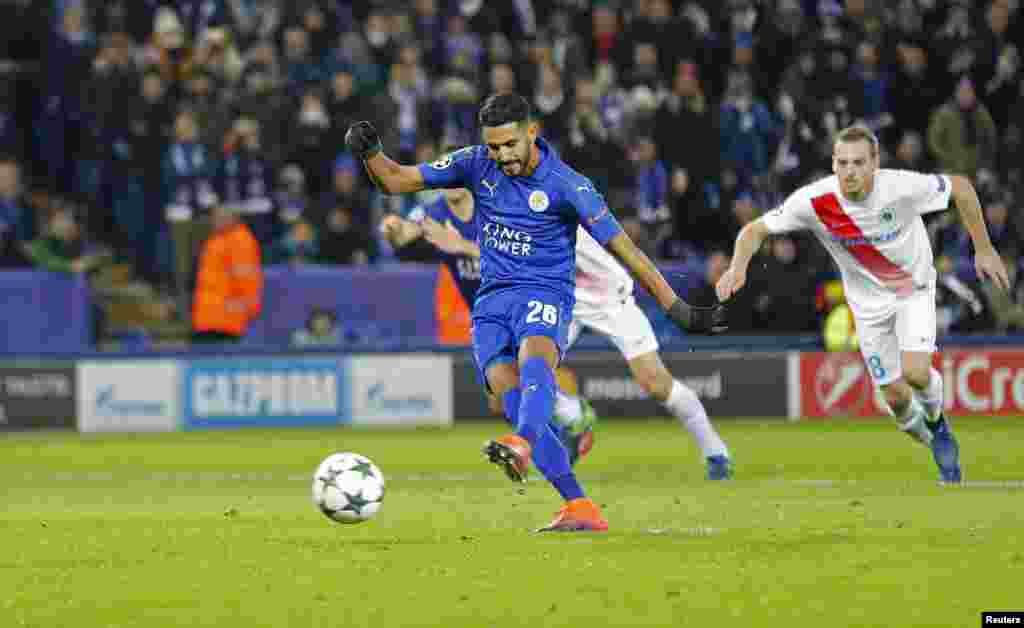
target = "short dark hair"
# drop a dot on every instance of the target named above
(501, 109)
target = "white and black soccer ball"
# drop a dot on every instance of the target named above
(348, 488)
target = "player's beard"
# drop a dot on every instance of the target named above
(512, 168)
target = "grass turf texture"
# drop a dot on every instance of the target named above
(828, 524)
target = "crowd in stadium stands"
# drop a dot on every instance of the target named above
(123, 121)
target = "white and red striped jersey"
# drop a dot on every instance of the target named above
(600, 278)
(880, 244)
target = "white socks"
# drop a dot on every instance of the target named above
(685, 406)
(912, 422)
(931, 397)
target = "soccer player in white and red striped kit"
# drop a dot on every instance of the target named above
(869, 220)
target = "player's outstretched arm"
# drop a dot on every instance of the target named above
(389, 176)
(447, 238)
(987, 261)
(398, 231)
(701, 320)
(748, 242)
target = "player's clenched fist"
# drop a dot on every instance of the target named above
(730, 283)
(362, 140)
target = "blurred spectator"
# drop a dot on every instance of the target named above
(261, 96)
(457, 107)
(207, 100)
(783, 291)
(652, 188)
(216, 54)
(1000, 59)
(16, 217)
(301, 68)
(874, 85)
(341, 242)
(198, 15)
(962, 135)
(297, 247)
(61, 124)
(229, 283)
(800, 151)
(17, 223)
(715, 265)
(308, 142)
(245, 180)
(502, 79)
(909, 154)
(428, 24)
(321, 330)
(320, 20)
(749, 133)
(588, 145)
(188, 175)
(962, 306)
(346, 191)
(913, 89)
(290, 194)
(166, 48)
(344, 106)
(645, 69)
(686, 113)
(567, 46)
(62, 249)
(463, 50)
(405, 107)
(147, 132)
(608, 48)
(551, 105)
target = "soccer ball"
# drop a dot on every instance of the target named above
(348, 488)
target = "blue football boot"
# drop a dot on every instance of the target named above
(945, 450)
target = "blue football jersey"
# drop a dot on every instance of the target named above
(465, 269)
(526, 225)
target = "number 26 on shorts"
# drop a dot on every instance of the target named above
(542, 312)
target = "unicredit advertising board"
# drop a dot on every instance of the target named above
(977, 381)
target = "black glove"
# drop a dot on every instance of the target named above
(362, 140)
(699, 320)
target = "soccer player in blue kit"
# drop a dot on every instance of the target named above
(528, 206)
(574, 417)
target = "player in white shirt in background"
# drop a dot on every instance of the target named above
(605, 304)
(869, 220)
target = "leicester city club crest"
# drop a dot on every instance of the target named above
(538, 200)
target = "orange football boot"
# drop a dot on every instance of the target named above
(512, 453)
(578, 515)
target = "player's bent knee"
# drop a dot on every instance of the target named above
(897, 394)
(917, 378)
(501, 378)
(539, 346)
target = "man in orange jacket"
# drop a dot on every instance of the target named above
(229, 283)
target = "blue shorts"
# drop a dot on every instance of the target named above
(503, 319)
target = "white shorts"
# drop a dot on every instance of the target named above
(623, 323)
(910, 328)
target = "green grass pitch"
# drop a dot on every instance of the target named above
(827, 524)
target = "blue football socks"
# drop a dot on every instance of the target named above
(537, 403)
